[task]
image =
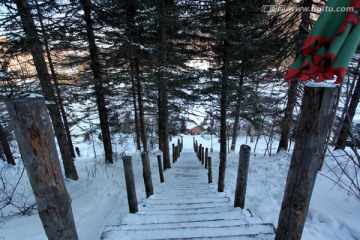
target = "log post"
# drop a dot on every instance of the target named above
(176, 152)
(242, 175)
(160, 169)
(199, 152)
(196, 147)
(173, 152)
(206, 157)
(209, 170)
(202, 155)
(316, 111)
(130, 184)
(35, 137)
(182, 143)
(147, 174)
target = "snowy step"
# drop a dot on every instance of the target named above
(201, 210)
(162, 200)
(148, 219)
(187, 193)
(208, 223)
(168, 206)
(190, 232)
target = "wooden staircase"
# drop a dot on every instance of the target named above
(187, 207)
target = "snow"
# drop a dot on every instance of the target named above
(320, 84)
(99, 196)
(31, 95)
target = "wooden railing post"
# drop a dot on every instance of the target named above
(173, 153)
(147, 174)
(130, 184)
(176, 153)
(160, 169)
(199, 152)
(35, 137)
(209, 170)
(202, 155)
(206, 157)
(313, 127)
(242, 174)
(182, 143)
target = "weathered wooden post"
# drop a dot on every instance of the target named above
(209, 170)
(176, 152)
(242, 175)
(316, 111)
(182, 143)
(130, 184)
(206, 157)
(202, 155)
(196, 147)
(160, 169)
(173, 152)
(199, 152)
(35, 137)
(147, 174)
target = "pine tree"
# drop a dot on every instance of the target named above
(99, 88)
(36, 49)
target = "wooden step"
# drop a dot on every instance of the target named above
(240, 231)
(237, 214)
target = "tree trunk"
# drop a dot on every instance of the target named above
(47, 88)
(133, 88)
(287, 120)
(223, 101)
(141, 107)
(164, 123)
(56, 84)
(316, 112)
(346, 126)
(5, 146)
(99, 88)
(37, 147)
(286, 124)
(237, 111)
(160, 134)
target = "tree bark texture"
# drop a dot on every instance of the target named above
(287, 120)
(99, 88)
(223, 101)
(164, 123)
(316, 112)
(133, 88)
(37, 147)
(141, 105)
(47, 88)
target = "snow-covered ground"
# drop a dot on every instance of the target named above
(99, 196)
